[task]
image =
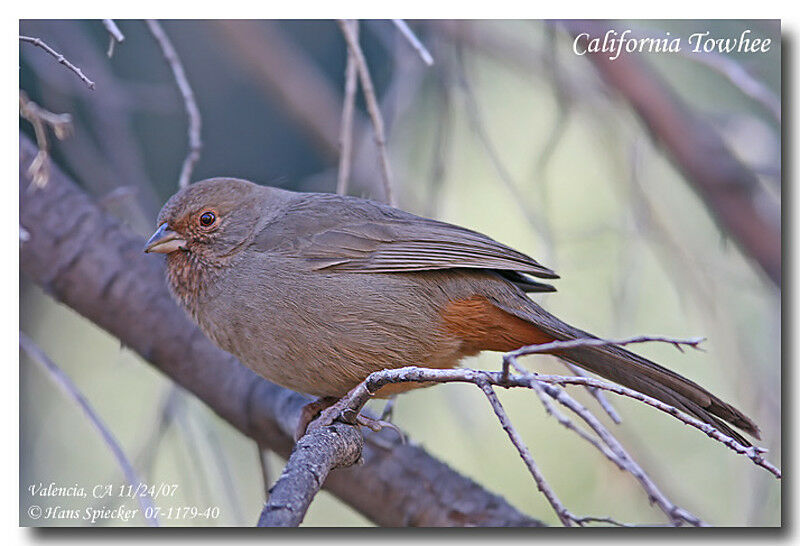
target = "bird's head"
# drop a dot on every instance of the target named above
(211, 219)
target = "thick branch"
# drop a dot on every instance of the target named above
(314, 456)
(88, 261)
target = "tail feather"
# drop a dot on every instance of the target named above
(636, 372)
(632, 371)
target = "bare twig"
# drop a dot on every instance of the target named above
(66, 384)
(195, 143)
(754, 453)
(442, 143)
(114, 35)
(541, 483)
(61, 125)
(372, 107)
(59, 58)
(621, 457)
(597, 394)
(551, 410)
(415, 42)
(734, 72)
(346, 129)
(693, 342)
(349, 406)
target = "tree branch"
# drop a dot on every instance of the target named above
(86, 260)
(314, 456)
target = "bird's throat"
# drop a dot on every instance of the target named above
(189, 278)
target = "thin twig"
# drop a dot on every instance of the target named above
(38, 42)
(415, 42)
(562, 513)
(348, 108)
(114, 35)
(565, 516)
(551, 410)
(350, 405)
(622, 458)
(192, 111)
(693, 342)
(372, 107)
(597, 394)
(66, 384)
(754, 453)
(733, 71)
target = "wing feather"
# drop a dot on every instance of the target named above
(348, 234)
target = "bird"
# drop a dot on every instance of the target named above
(315, 291)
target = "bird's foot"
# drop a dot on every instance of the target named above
(310, 411)
(376, 425)
(329, 410)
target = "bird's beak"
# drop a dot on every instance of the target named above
(164, 241)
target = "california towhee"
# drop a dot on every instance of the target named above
(315, 291)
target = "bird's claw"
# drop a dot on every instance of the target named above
(330, 410)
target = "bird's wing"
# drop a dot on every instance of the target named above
(348, 234)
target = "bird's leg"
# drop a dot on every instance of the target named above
(310, 411)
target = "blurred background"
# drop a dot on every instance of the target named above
(508, 133)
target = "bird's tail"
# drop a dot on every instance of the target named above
(633, 371)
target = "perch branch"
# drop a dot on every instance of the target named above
(349, 406)
(192, 111)
(314, 456)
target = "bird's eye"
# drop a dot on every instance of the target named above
(207, 218)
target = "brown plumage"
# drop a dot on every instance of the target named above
(316, 291)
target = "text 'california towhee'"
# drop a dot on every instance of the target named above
(315, 291)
